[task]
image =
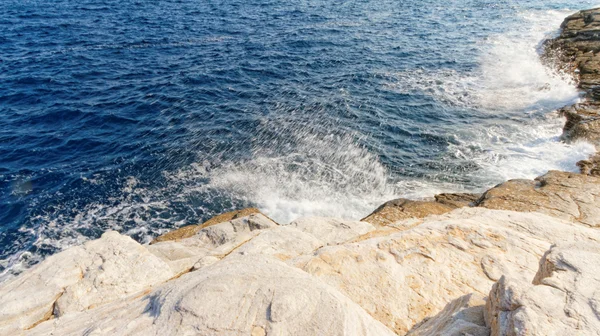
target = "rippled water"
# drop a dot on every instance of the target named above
(142, 116)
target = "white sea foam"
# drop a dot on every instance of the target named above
(512, 75)
(511, 82)
(301, 165)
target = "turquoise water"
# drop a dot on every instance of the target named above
(143, 116)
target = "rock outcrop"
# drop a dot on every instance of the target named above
(190, 230)
(571, 196)
(79, 279)
(577, 51)
(314, 276)
(402, 208)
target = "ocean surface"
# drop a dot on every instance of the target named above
(143, 116)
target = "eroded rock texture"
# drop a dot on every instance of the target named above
(577, 51)
(562, 299)
(250, 276)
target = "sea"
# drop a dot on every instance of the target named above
(144, 116)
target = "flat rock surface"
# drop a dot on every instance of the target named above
(401, 209)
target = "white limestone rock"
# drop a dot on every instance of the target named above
(564, 298)
(282, 242)
(216, 241)
(242, 295)
(405, 277)
(78, 279)
(460, 317)
(333, 231)
(315, 276)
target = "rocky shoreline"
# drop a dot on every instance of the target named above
(523, 258)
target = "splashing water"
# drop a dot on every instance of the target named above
(329, 118)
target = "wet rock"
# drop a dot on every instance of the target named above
(576, 49)
(190, 230)
(570, 196)
(583, 122)
(590, 166)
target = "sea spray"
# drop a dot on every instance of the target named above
(322, 111)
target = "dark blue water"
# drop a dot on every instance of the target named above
(142, 116)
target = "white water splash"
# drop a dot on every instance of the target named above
(308, 170)
(510, 82)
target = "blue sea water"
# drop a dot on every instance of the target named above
(142, 116)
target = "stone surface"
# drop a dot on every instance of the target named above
(313, 276)
(190, 230)
(404, 277)
(590, 166)
(583, 122)
(462, 316)
(332, 230)
(457, 200)
(214, 241)
(565, 195)
(243, 295)
(564, 298)
(401, 209)
(576, 48)
(78, 279)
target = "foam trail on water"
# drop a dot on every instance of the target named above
(513, 79)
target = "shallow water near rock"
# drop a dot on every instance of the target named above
(142, 117)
